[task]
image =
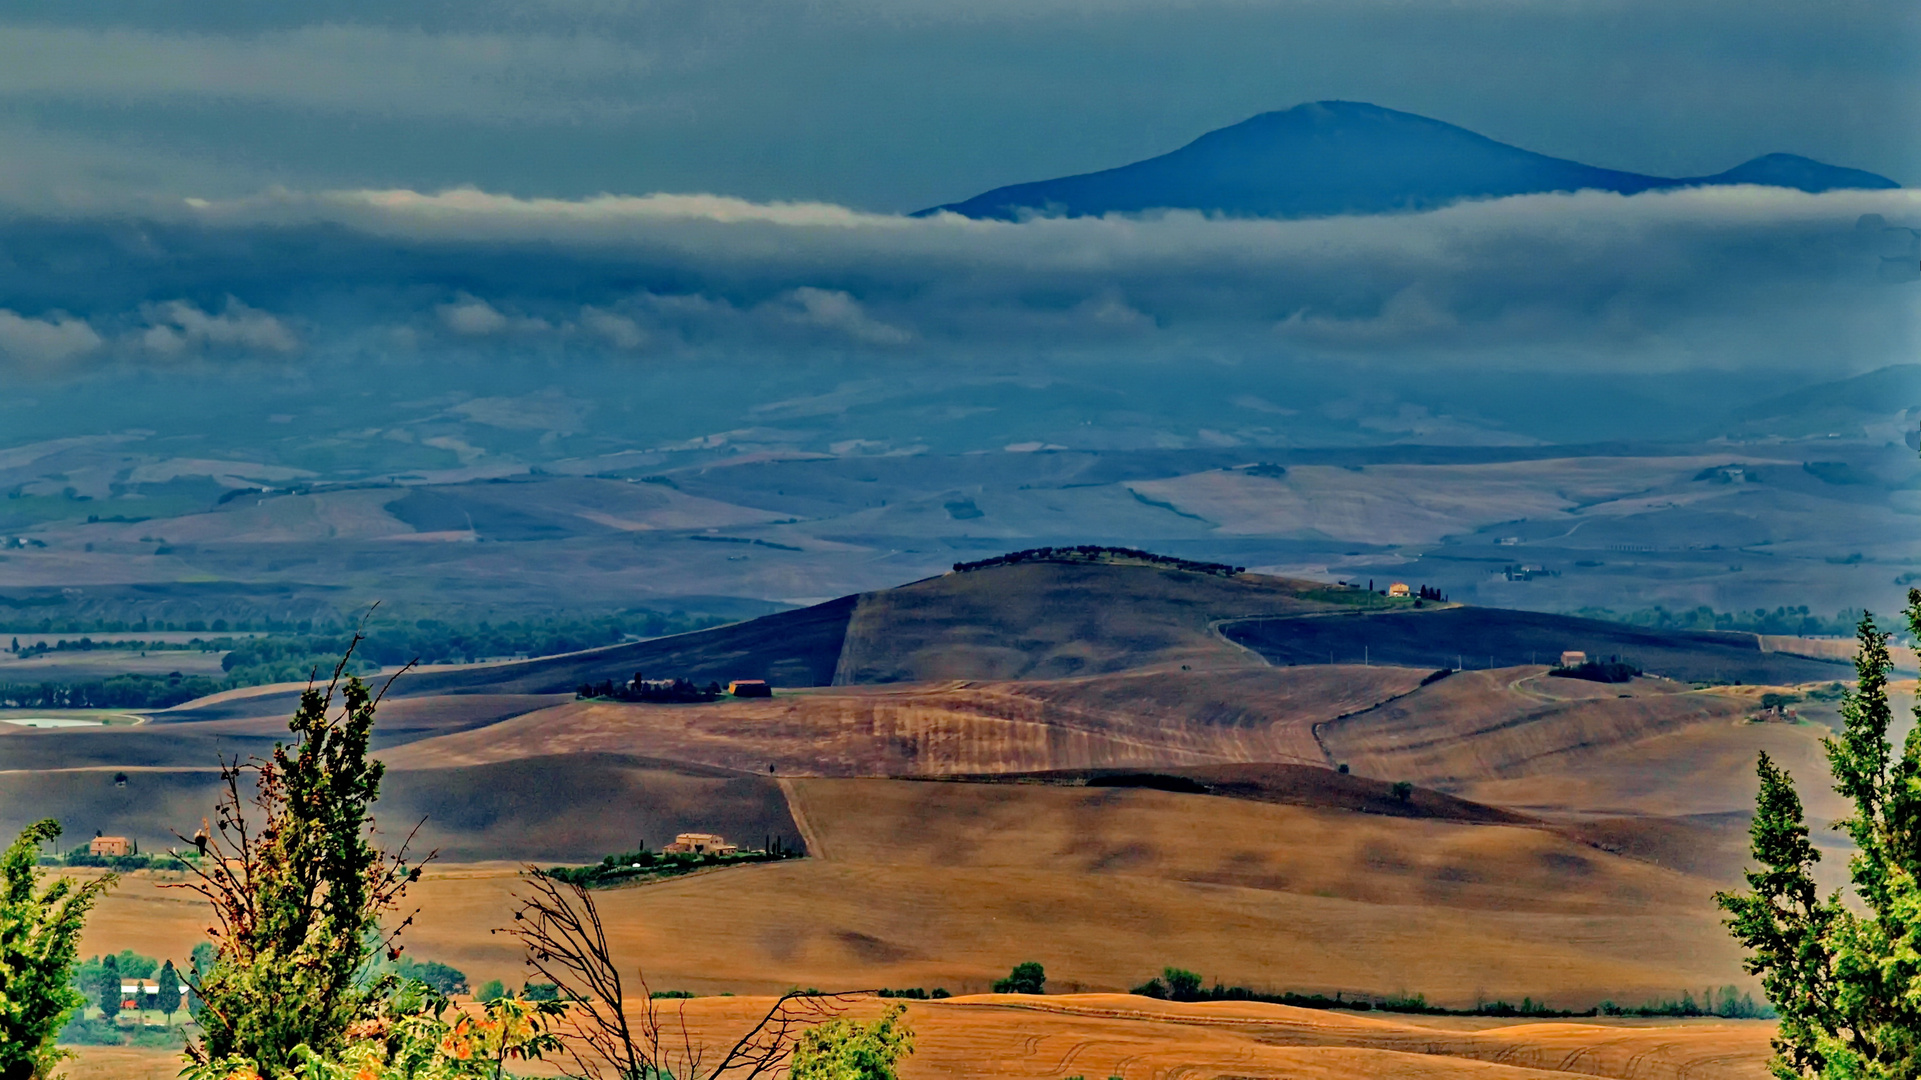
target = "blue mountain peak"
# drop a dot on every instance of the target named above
(1347, 157)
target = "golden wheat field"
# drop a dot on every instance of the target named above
(1015, 1037)
(918, 883)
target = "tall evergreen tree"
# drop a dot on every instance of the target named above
(108, 990)
(169, 984)
(1844, 972)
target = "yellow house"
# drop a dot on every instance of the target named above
(110, 845)
(700, 843)
(1399, 588)
(1573, 658)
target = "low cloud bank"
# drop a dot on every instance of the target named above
(1721, 278)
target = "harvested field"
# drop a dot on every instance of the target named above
(1693, 769)
(1480, 725)
(945, 884)
(543, 809)
(1151, 719)
(1310, 851)
(1283, 784)
(1099, 1035)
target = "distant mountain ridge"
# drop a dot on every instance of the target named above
(1330, 158)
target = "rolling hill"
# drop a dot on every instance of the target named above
(1344, 157)
(1047, 619)
(1107, 764)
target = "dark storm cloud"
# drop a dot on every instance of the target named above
(900, 104)
(1731, 277)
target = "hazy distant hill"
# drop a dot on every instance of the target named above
(1843, 406)
(1044, 619)
(1344, 157)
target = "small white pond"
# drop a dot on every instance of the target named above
(51, 721)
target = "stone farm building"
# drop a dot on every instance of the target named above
(110, 845)
(700, 843)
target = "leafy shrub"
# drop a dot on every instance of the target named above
(848, 1050)
(424, 1039)
(442, 978)
(39, 938)
(1027, 978)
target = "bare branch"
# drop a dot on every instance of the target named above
(566, 945)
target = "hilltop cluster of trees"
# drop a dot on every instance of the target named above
(660, 691)
(1611, 670)
(1094, 553)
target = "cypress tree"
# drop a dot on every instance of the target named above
(109, 986)
(1843, 972)
(169, 981)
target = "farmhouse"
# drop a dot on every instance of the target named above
(145, 994)
(1573, 658)
(750, 688)
(110, 845)
(1399, 588)
(700, 843)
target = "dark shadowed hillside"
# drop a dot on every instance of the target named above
(790, 648)
(1489, 637)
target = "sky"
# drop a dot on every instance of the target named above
(893, 105)
(200, 188)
